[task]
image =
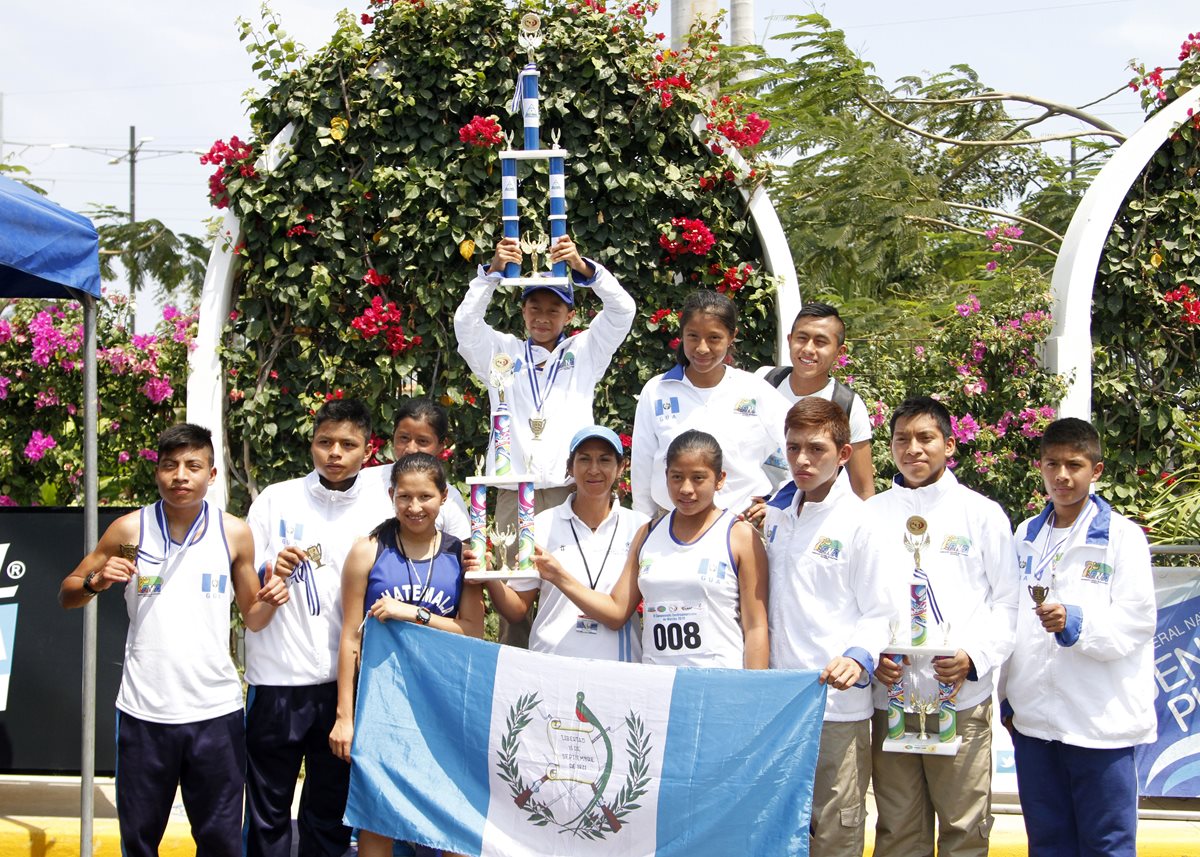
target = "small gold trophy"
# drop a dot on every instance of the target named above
(314, 555)
(129, 551)
(1039, 594)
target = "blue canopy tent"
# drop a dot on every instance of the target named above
(49, 252)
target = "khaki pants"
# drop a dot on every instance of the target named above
(911, 788)
(840, 789)
(517, 634)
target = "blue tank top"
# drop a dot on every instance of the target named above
(405, 580)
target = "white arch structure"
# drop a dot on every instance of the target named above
(206, 379)
(1069, 349)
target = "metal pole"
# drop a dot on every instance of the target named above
(132, 169)
(91, 535)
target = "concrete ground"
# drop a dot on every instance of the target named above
(39, 817)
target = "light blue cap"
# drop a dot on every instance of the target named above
(599, 433)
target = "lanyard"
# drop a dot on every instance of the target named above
(587, 569)
(412, 570)
(535, 386)
(306, 574)
(164, 529)
(1048, 553)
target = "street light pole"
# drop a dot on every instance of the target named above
(132, 170)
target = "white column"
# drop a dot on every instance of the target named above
(741, 22)
(684, 13)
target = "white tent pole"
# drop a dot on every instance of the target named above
(91, 535)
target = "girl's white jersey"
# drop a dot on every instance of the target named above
(590, 557)
(177, 663)
(693, 614)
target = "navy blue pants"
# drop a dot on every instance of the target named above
(206, 760)
(1077, 801)
(285, 725)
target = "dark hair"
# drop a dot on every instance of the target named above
(697, 441)
(1075, 434)
(345, 411)
(819, 415)
(923, 406)
(186, 436)
(424, 411)
(816, 309)
(416, 462)
(708, 302)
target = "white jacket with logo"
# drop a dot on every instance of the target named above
(820, 607)
(744, 413)
(1091, 685)
(970, 567)
(582, 361)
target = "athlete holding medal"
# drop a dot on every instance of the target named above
(702, 573)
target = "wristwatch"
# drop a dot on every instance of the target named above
(423, 615)
(87, 583)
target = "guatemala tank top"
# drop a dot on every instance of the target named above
(435, 584)
(177, 663)
(692, 602)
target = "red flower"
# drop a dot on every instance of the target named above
(367, 19)
(374, 278)
(626, 440)
(482, 131)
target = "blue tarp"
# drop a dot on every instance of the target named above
(45, 250)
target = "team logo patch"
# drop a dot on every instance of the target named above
(567, 362)
(213, 584)
(148, 585)
(771, 531)
(1097, 572)
(570, 757)
(711, 572)
(747, 407)
(667, 409)
(776, 460)
(956, 545)
(827, 548)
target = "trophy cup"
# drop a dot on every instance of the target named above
(500, 376)
(130, 552)
(1039, 594)
(918, 690)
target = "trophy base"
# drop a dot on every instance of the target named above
(532, 154)
(475, 576)
(523, 282)
(912, 743)
(500, 481)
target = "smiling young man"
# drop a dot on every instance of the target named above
(931, 529)
(303, 529)
(825, 614)
(1078, 693)
(817, 340)
(179, 707)
(551, 381)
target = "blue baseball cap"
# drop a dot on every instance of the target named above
(564, 293)
(598, 433)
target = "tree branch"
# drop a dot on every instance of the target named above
(937, 221)
(1053, 107)
(995, 212)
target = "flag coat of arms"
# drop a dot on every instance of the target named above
(481, 749)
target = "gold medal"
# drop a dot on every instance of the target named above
(129, 552)
(917, 525)
(314, 554)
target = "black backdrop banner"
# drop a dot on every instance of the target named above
(41, 646)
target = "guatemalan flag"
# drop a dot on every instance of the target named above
(481, 749)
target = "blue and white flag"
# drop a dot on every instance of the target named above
(480, 749)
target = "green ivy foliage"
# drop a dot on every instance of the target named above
(378, 180)
(1146, 314)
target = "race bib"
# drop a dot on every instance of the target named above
(676, 629)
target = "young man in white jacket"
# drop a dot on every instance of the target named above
(965, 560)
(825, 616)
(1078, 693)
(304, 528)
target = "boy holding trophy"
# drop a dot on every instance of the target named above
(824, 615)
(1078, 693)
(947, 555)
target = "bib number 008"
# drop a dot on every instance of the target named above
(676, 636)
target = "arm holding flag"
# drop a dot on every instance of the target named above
(468, 621)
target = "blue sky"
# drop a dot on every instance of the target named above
(83, 75)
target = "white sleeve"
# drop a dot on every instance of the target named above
(860, 421)
(868, 581)
(478, 340)
(612, 324)
(259, 521)
(455, 519)
(1128, 621)
(990, 632)
(645, 447)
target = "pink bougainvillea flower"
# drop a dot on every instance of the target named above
(39, 444)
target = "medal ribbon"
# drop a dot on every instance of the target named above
(592, 583)
(306, 574)
(919, 574)
(164, 529)
(1048, 552)
(518, 97)
(535, 386)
